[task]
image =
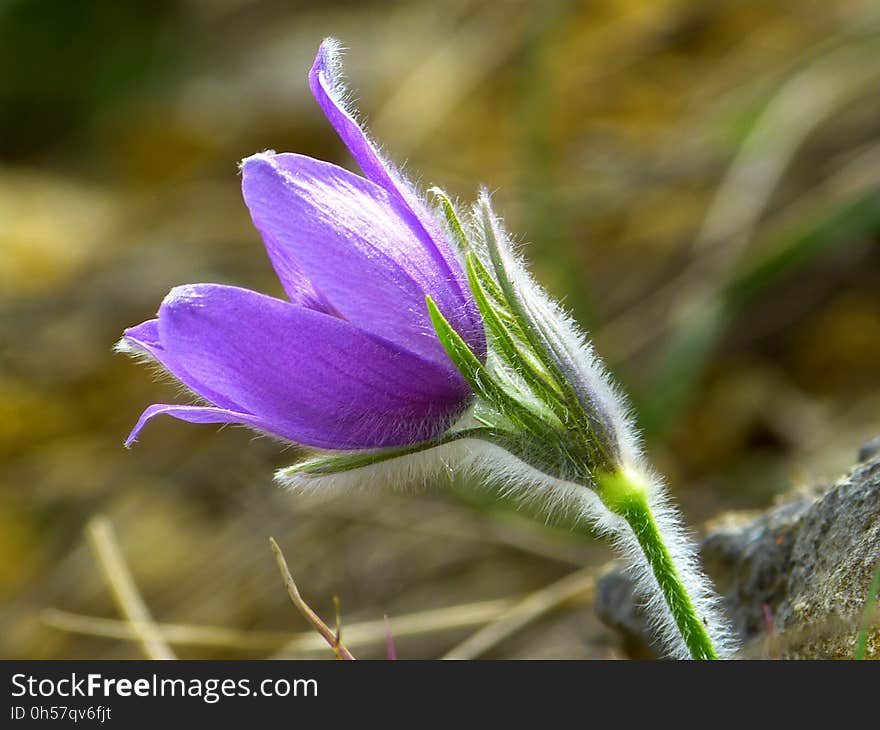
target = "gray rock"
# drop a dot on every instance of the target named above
(618, 608)
(837, 550)
(794, 578)
(869, 450)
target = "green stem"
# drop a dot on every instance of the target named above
(625, 493)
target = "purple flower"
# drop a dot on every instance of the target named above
(351, 359)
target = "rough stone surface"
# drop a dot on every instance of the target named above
(870, 450)
(794, 578)
(618, 608)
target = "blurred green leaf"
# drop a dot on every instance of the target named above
(692, 345)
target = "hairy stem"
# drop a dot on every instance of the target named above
(625, 493)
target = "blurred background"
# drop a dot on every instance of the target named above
(698, 181)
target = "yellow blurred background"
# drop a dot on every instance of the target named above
(698, 181)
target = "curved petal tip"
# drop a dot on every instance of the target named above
(251, 161)
(194, 414)
(328, 60)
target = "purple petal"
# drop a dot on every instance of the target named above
(145, 337)
(352, 242)
(195, 414)
(299, 374)
(327, 88)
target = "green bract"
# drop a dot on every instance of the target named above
(546, 422)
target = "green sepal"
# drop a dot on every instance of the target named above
(452, 219)
(327, 464)
(483, 383)
(551, 350)
(347, 461)
(509, 348)
(493, 291)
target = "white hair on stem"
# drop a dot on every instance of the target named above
(501, 471)
(590, 374)
(684, 553)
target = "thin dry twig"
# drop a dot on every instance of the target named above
(414, 624)
(331, 637)
(128, 600)
(363, 633)
(579, 584)
(175, 634)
